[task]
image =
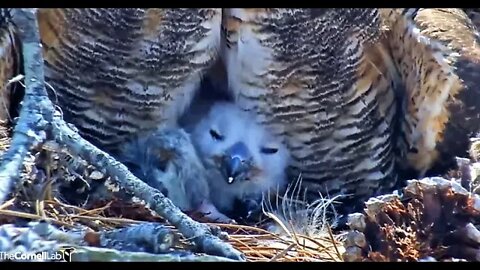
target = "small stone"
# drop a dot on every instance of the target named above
(355, 238)
(357, 222)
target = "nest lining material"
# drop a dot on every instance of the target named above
(53, 175)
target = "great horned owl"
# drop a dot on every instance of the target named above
(235, 161)
(317, 79)
(245, 162)
(307, 75)
(124, 77)
(436, 53)
(118, 72)
(328, 82)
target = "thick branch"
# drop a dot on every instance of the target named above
(36, 111)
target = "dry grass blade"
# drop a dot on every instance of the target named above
(258, 245)
(292, 229)
(283, 253)
(245, 248)
(106, 219)
(320, 247)
(279, 222)
(7, 204)
(261, 245)
(34, 217)
(81, 210)
(329, 229)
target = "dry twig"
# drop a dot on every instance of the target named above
(36, 114)
(36, 111)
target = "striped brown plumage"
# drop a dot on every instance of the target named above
(317, 78)
(119, 72)
(349, 90)
(437, 55)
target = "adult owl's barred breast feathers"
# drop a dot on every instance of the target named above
(9, 65)
(437, 54)
(119, 72)
(314, 76)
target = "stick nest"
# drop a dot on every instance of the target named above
(70, 194)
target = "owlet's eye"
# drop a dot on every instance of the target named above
(215, 135)
(269, 150)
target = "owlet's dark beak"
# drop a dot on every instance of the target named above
(236, 163)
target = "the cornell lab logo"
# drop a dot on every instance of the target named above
(67, 254)
(62, 255)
